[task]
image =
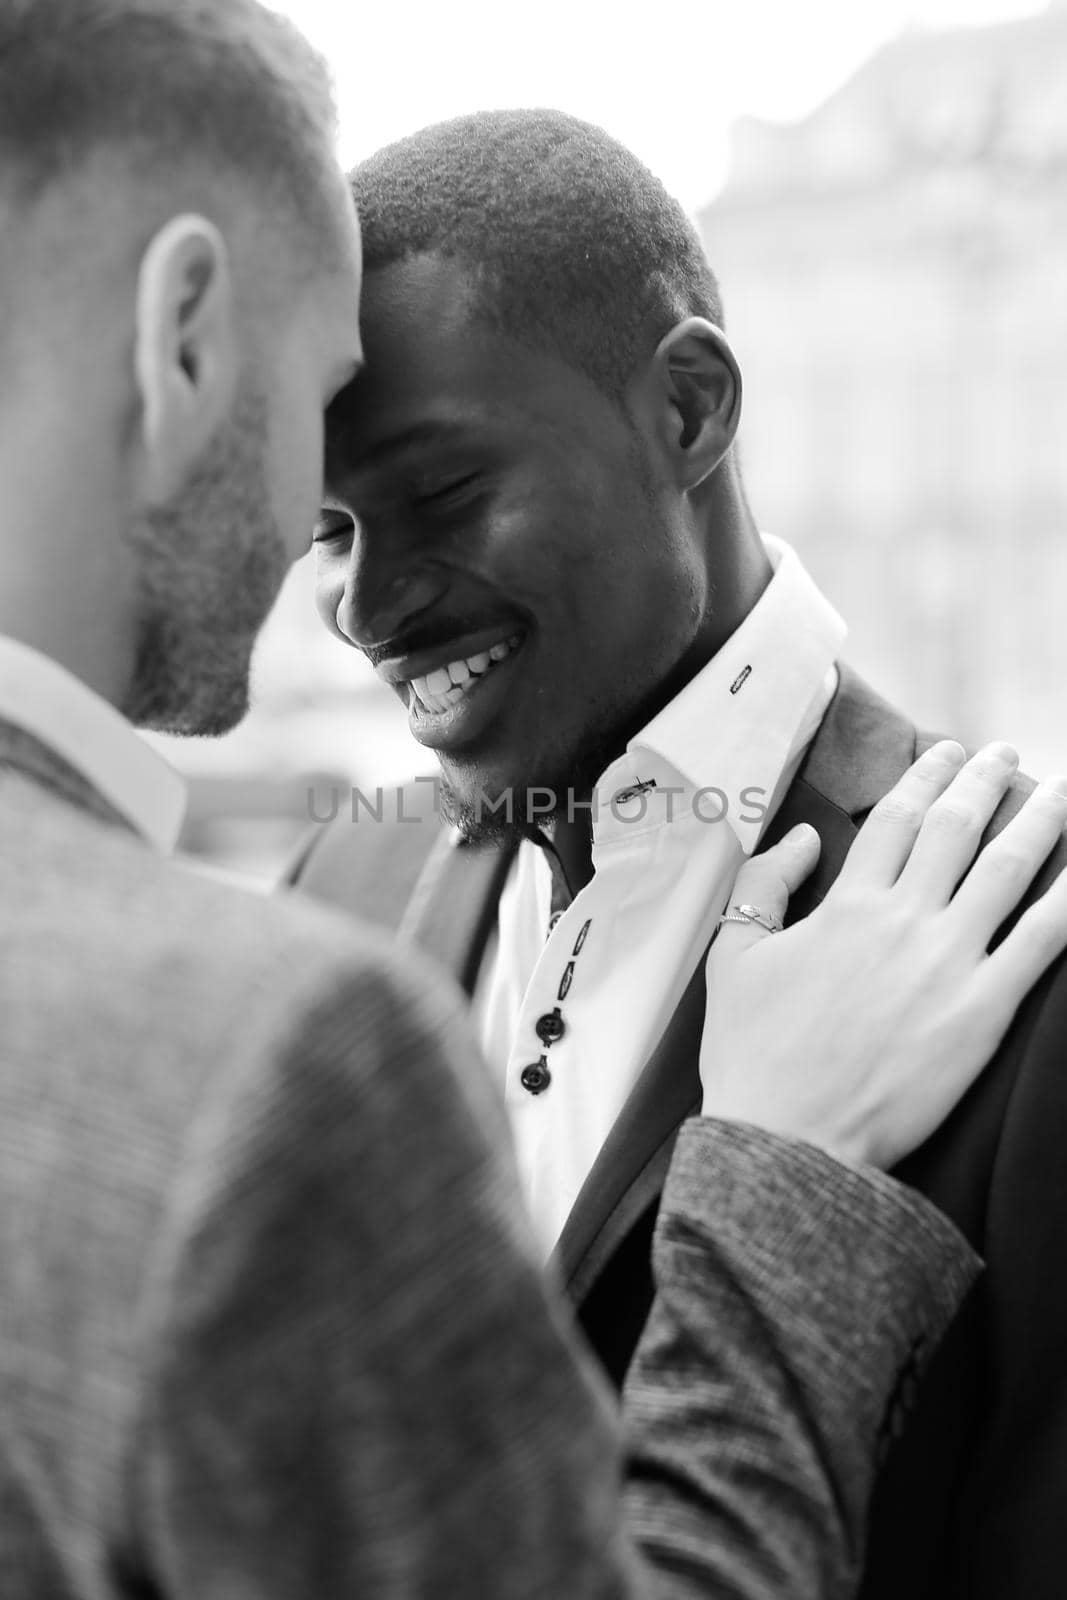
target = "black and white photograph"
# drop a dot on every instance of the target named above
(533, 789)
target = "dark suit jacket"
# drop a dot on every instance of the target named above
(972, 1499)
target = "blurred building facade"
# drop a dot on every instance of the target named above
(894, 270)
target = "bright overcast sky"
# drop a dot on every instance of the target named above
(667, 79)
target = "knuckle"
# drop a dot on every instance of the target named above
(851, 905)
(951, 817)
(899, 810)
(929, 775)
(1008, 864)
(990, 769)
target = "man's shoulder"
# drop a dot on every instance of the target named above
(147, 1008)
(205, 1098)
(151, 944)
(865, 743)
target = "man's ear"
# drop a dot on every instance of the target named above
(693, 389)
(186, 356)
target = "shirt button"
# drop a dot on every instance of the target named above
(551, 1027)
(536, 1077)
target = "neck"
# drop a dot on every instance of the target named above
(65, 588)
(76, 628)
(741, 572)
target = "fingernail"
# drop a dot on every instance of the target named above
(999, 751)
(946, 750)
(1056, 785)
(803, 833)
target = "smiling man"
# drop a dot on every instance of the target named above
(537, 530)
(495, 469)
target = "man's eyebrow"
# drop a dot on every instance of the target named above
(420, 434)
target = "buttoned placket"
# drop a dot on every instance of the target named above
(550, 1026)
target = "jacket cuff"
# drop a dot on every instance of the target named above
(812, 1239)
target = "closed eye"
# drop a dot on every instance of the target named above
(331, 525)
(457, 489)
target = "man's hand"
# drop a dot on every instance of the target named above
(861, 1027)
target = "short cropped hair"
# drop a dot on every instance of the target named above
(572, 242)
(226, 83)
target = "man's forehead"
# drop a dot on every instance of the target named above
(431, 376)
(440, 374)
(360, 440)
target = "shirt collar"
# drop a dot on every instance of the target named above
(734, 725)
(47, 701)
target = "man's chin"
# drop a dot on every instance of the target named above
(492, 805)
(476, 825)
(214, 723)
(500, 814)
(188, 715)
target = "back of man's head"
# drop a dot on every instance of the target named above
(164, 85)
(571, 241)
(116, 114)
(180, 264)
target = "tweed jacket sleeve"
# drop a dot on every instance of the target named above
(358, 1382)
(360, 1387)
(798, 1304)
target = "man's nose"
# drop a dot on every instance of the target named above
(385, 588)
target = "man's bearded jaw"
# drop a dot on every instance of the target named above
(183, 684)
(506, 816)
(211, 563)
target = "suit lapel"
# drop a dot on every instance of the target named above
(629, 1172)
(862, 747)
(836, 831)
(453, 906)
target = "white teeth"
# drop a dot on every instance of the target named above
(434, 702)
(443, 688)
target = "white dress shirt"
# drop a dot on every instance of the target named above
(615, 965)
(45, 700)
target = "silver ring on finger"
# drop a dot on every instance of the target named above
(747, 913)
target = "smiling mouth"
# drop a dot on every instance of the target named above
(445, 688)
